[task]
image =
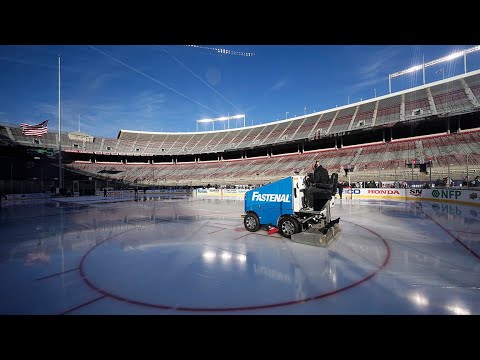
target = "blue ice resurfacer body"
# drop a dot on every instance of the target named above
(280, 204)
(271, 201)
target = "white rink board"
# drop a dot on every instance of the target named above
(455, 196)
(220, 192)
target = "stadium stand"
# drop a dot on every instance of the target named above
(436, 124)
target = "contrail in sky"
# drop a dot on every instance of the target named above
(198, 77)
(153, 79)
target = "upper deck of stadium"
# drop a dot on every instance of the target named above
(452, 96)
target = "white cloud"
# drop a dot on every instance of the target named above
(149, 103)
(148, 109)
(373, 73)
(368, 83)
(378, 65)
(101, 80)
(278, 85)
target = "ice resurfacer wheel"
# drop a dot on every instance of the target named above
(288, 226)
(251, 222)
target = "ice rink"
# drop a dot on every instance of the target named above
(191, 255)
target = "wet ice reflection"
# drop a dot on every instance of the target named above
(180, 254)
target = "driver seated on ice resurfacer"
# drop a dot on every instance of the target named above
(319, 189)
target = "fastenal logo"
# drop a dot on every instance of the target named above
(473, 195)
(256, 196)
(435, 193)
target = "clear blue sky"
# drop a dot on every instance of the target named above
(168, 88)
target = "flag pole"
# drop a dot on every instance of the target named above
(60, 175)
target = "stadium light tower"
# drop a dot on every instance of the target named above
(203, 121)
(222, 118)
(452, 56)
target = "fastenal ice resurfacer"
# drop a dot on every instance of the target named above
(281, 204)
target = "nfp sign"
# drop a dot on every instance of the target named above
(446, 194)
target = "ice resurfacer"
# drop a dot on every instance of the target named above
(281, 204)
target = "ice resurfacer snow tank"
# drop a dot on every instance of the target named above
(281, 204)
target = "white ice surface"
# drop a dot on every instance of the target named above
(183, 255)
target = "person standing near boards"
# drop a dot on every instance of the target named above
(340, 189)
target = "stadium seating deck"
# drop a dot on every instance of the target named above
(442, 150)
(458, 95)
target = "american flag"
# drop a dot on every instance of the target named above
(34, 130)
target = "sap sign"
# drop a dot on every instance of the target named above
(416, 192)
(352, 191)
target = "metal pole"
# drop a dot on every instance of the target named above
(389, 83)
(467, 171)
(412, 172)
(465, 62)
(423, 69)
(351, 188)
(430, 171)
(60, 174)
(448, 180)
